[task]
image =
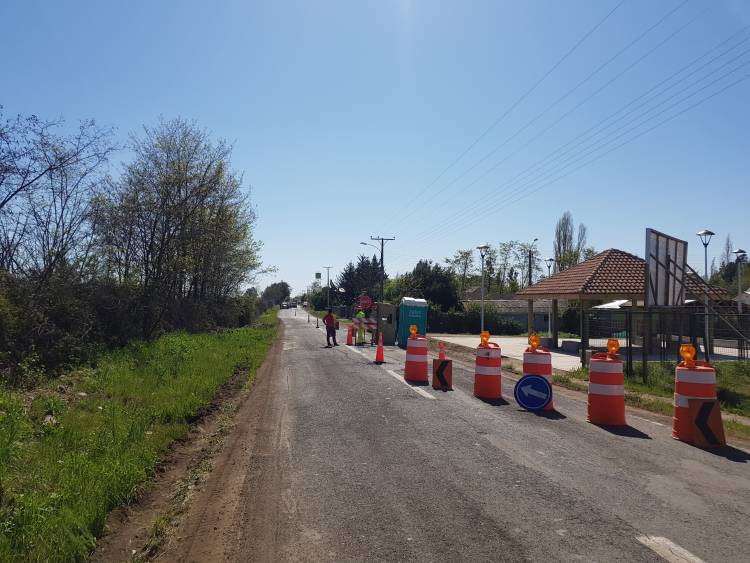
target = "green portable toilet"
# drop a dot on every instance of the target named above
(411, 312)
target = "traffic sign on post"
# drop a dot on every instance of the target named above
(533, 392)
(365, 302)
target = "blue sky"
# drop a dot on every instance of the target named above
(342, 114)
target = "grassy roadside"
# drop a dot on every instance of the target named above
(82, 445)
(732, 382)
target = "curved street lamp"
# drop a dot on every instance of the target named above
(741, 256)
(705, 236)
(482, 253)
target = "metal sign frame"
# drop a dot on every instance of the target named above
(666, 270)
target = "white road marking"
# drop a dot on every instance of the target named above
(394, 375)
(647, 420)
(416, 389)
(668, 549)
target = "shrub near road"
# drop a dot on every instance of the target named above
(83, 445)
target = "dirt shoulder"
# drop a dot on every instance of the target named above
(150, 528)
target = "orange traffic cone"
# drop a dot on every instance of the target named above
(379, 352)
(441, 354)
(349, 336)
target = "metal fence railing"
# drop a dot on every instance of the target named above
(656, 335)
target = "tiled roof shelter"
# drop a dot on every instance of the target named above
(612, 274)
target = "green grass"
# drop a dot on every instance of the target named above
(104, 435)
(732, 388)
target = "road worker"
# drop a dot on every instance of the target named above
(361, 328)
(330, 321)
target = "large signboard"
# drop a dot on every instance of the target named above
(666, 260)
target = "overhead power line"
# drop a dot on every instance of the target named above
(482, 202)
(559, 100)
(510, 109)
(546, 182)
(580, 104)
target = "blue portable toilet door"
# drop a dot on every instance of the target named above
(411, 312)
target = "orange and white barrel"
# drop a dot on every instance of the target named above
(696, 382)
(488, 372)
(539, 362)
(415, 368)
(606, 400)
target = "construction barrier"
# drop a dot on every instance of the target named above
(415, 368)
(379, 356)
(695, 383)
(538, 361)
(361, 326)
(488, 370)
(606, 399)
(442, 374)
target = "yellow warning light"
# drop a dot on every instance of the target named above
(413, 330)
(534, 342)
(613, 346)
(485, 336)
(687, 352)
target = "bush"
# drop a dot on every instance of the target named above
(67, 459)
(459, 322)
(62, 323)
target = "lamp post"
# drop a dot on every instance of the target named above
(705, 236)
(328, 287)
(382, 274)
(549, 262)
(531, 257)
(741, 255)
(482, 253)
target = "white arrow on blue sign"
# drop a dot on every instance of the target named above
(533, 392)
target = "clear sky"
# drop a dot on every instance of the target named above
(343, 114)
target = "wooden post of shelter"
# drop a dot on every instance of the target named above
(553, 323)
(530, 316)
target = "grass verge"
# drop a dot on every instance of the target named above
(732, 384)
(83, 445)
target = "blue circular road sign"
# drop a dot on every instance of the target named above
(533, 392)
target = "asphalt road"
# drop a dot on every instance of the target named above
(346, 462)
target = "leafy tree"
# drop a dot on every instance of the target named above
(362, 278)
(276, 293)
(569, 249)
(490, 266)
(505, 257)
(462, 265)
(435, 284)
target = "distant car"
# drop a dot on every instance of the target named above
(306, 304)
(285, 305)
(294, 304)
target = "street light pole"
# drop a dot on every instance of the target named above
(382, 275)
(531, 256)
(705, 236)
(549, 262)
(482, 252)
(740, 254)
(328, 287)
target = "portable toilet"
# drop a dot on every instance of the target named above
(411, 312)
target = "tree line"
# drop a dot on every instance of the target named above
(445, 285)
(507, 264)
(89, 258)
